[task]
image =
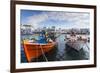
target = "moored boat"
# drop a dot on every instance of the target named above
(76, 42)
(34, 50)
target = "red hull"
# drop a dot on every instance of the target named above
(34, 50)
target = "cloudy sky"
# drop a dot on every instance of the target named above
(59, 19)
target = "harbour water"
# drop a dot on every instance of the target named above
(61, 52)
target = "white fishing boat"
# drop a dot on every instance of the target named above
(77, 42)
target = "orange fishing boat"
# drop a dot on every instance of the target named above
(34, 50)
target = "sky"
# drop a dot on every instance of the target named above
(59, 19)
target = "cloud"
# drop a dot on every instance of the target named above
(36, 19)
(76, 19)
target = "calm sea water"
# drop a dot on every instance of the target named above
(60, 53)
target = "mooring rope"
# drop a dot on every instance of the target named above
(87, 46)
(43, 54)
